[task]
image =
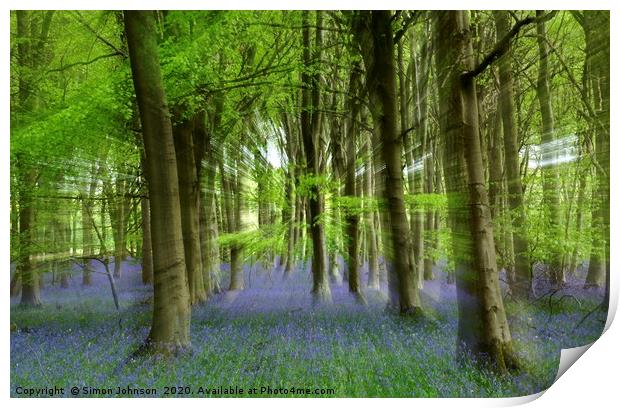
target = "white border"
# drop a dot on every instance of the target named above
(593, 380)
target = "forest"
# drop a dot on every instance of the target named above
(304, 203)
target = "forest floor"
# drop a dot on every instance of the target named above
(270, 335)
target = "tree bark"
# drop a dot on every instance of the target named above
(119, 215)
(88, 245)
(371, 232)
(31, 294)
(483, 328)
(522, 287)
(551, 197)
(189, 194)
(350, 190)
(147, 249)
(376, 40)
(289, 211)
(170, 329)
(310, 119)
(596, 26)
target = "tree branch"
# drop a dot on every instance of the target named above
(501, 46)
(84, 62)
(83, 22)
(410, 20)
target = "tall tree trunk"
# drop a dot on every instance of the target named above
(350, 190)
(170, 329)
(551, 195)
(119, 215)
(376, 39)
(496, 195)
(336, 136)
(205, 250)
(420, 74)
(522, 287)
(214, 252)
(30, 56)
(88, 245)
(579, 213)
(289, 219)
(31, 295)
(290, 205)
(310, 119)
(596, 26)
(429, 227)
(483, 329)
(405, 122)
(208, 211)
(234, 202)
(371, 240)
(104, 227)
(189, 194)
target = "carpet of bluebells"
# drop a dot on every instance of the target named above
(271, 335)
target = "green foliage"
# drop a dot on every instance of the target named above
(309, 184)
(257, 243)
(426, 202)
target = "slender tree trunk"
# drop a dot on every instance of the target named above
(596, 26)
(551, 197)
(209, 226)
(119, 218)
(15, 284)
(350, 190)
(289, 208)
(88, 248)
(496, 196)
(338, 159)
(310, 119)
(211, 254)
(418, 150)
(596, 267)
(31, 295)
(352, 222)
(234, 201)
(429, 228)
(371, 240)
(522, 286)
(574, 257)
(290, 220)
(295, 151)
(405, 122)
(104, 227)
(205, 251)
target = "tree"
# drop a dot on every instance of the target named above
(523, 279)
(483, 328)
(350, 190)
(33, 33)
(596, 27)
(310, 120)
(171, 301)
(189, 193)
(376, 43)
(551, 197)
